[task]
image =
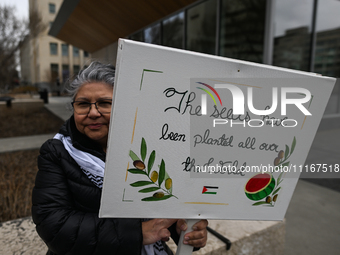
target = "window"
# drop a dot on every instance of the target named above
(173, 31)
(75, 52)
(53, 48)
(64, 49)
(153, 34)
(139, 36)
(54, 72)
(86, 54)
(51, 8)
(201, 23)
(66, 72)
(76, 69)
(292, 37)
(51, 24)
(327, 36)
(242, 29)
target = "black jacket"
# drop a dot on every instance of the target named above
(66, 204)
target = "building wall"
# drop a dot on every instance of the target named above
(236, 29)
(37, 58)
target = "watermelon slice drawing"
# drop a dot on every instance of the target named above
(259, 186)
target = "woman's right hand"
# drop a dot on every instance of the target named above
(156, 230)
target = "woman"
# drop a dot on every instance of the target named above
(67, 192)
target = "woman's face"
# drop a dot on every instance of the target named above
(94, 125)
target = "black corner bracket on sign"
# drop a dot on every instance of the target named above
(222, 238)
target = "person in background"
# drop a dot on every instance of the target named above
(67, 192)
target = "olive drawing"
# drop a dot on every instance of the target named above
(281, 154)
(154, 176)
(158, 194)
(268, 199)
(168, 183)
(275, 197)
(139, 164)
(277, 161)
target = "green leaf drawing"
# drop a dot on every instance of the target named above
(141, 183)
(279, 178)
(287, 151)
(293, 145)
(260, 203)
(161, 173)
(151, 161)
(285, 164)
(136, 171)
(151, 189)
(133, 156)
(143, 149)
(148, 199)
(275, 191)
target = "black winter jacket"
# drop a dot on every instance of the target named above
(66, 204)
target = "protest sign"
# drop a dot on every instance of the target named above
(197, 136)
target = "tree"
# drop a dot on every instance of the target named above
(12, 32)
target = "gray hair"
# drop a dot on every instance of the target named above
(95, 72)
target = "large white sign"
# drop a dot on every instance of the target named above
(198, 136)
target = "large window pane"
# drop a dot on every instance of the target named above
(201, 24)
(292, 34)
(153, 34)
(327, 49)
(327, 54)
(242, 29)
(173, 31)
(139, 36)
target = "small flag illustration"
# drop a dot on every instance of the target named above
(209, 190)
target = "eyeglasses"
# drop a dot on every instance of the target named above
(83, 107)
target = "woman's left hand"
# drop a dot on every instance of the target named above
(197, 237)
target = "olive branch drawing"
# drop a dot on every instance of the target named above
(280, 161)
(159, 181)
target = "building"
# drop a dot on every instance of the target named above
(46, 61)
(291, 34)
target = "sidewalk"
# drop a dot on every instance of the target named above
(313, 216)
(58, 106)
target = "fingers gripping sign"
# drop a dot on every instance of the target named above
(193, 233)
(156, 230)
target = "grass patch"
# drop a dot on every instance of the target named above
(18, 169)
(25, 123)
(17, 175)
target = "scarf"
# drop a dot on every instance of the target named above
(94, 168)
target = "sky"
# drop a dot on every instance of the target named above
(20, 5)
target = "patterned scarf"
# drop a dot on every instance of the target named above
(94, 168)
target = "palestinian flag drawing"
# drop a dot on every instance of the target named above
(209, 190)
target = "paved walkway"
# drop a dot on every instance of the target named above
(313, 216)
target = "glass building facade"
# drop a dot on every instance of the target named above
(305, 34)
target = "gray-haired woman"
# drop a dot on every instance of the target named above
(67, 191)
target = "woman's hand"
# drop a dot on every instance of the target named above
(197, 237)
(156, 229)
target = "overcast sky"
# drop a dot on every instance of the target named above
(20, 5)
(289, 13)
